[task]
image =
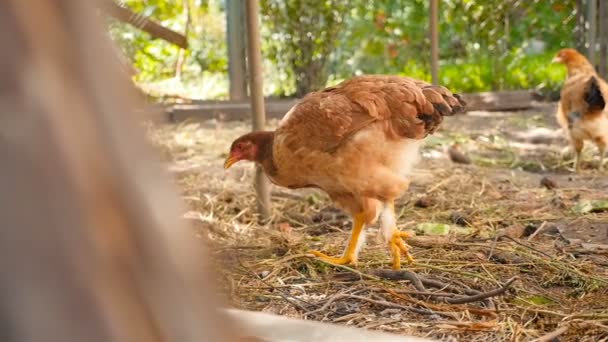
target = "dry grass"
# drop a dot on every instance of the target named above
(556, 284)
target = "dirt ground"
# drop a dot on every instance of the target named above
(519, 260)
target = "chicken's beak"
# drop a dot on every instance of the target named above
(557, 59)
(230, 161)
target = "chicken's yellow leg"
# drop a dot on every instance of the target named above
(396, 243)
(602, 148)
(350, 254)
(578, 149)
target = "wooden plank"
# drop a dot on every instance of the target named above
(500, 100)
(226, 111)
(276, 108)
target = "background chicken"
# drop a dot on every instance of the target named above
(356, 141)
(581, 109)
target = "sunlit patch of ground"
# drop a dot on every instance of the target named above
(496, 204)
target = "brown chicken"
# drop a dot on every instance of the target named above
(581, 108)
(357, 141)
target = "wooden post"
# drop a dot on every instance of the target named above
(580, 31)
(235, 40)
(592, 31)
(434, 29)
(256, 89)
(603, 36)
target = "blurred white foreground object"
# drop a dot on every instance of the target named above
(274, 328)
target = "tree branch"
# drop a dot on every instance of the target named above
(145, 24)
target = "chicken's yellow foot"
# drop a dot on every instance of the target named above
(350, 254)
(396, 243)
(345, 259)
(398, 246)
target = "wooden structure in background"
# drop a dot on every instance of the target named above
(256, 89)
(235, 40)
(603, 34)
(145, 24)
(434, 32)
(592, 34)
(592, 31)
(276, 108)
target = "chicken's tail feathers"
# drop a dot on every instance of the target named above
(444, 103)
(461, 107)
(593, 96)
(448, 103)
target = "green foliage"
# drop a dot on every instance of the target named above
(503, 34)
(299, 36)
(156, 60)
(382, 37)
(484, 44)
(587, 206)
(524, 72)
(153, 59)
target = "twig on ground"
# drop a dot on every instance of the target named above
(278, 265)
(443, 310)
(481, 296)
(392, 305)
(439, 310)
(526, 246)
(419, 282)
(352, 270)
(448, 287)
(463, 273)
(277, 290)
(537, 231)
(401, 275)
(588, 315)
(552, 335)
(419, 293)
(440, 184)
(326, 305)
(493, 246)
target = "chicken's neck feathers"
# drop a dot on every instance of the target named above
(265, 155)
(582, 67)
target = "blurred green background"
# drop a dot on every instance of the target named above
(307, 44)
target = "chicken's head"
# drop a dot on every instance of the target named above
(249, 147)
(567, 56)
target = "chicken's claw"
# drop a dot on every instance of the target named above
(398, 246)
(351, 252)
(343, 260)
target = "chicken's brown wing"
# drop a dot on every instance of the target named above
(404, 107)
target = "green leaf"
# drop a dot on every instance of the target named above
(313, 199)
(533, 299)
(589, 206)
(428, 228)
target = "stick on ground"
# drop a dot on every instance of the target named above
(481, 296)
